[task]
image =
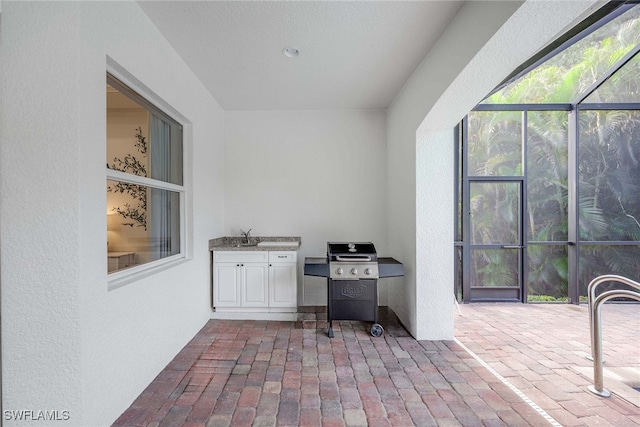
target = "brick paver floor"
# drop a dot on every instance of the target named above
(243, 373)
(542, 348)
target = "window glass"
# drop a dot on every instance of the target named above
(495, 213)
(596, 260)
(495, 143)
(548, 273)
(144, 180)
(142, 142)
(609, 175)
(564, 77)
(495, 268)
(165, 150)
(622, 86)
(145, 223)
(581, 212)
(547, 160)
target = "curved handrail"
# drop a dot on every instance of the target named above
(591, 293)
(596, 336)
(591, 289)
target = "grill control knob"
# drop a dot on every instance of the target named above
(339, 271)
(354, 271)
(367, 272)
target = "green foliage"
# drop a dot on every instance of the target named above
(567, 75)
(134, 215)
(495, 268)
(608, 166)
(562, 267)
(546, 298)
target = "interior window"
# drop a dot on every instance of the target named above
(144, 185)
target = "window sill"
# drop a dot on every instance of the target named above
(121, 278)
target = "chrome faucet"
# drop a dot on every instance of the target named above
(245, 234)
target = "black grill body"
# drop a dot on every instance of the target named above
(352, 271)
(353, 300)
(352, 285)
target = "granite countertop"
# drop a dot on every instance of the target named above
(236, 243)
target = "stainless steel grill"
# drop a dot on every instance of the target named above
(352, 261)
(352, 270)
(353, 284)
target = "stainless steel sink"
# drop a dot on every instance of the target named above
(279, 244)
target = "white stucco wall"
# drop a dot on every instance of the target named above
(316, 174)
(41, 346)
(69, 344)
(484, 43)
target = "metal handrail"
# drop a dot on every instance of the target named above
(591, 289)
(591, 293)
(595, 304)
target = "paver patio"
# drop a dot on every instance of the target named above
(261, 373)
(542, 350)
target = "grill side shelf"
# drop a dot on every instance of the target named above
(319, 267)
(316, 266)
(390, 267)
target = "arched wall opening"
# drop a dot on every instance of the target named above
(489, 39)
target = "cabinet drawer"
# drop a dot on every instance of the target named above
(240, 256)
(282, 256)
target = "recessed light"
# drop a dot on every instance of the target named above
(291, 52)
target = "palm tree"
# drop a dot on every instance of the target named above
(608, 163)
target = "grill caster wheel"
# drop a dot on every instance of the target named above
(377, 330)
(330, 332)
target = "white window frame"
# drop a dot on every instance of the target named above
(120, 278)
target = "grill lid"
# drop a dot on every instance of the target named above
(351, 251)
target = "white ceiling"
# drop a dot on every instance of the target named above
(354, 54)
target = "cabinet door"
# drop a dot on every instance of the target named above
(254, 285)
(283, 285)
(226, 284)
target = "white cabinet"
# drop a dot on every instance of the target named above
(255, 285)
(240, 279)
(283, 280)
(226, 276)
(255, 281)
